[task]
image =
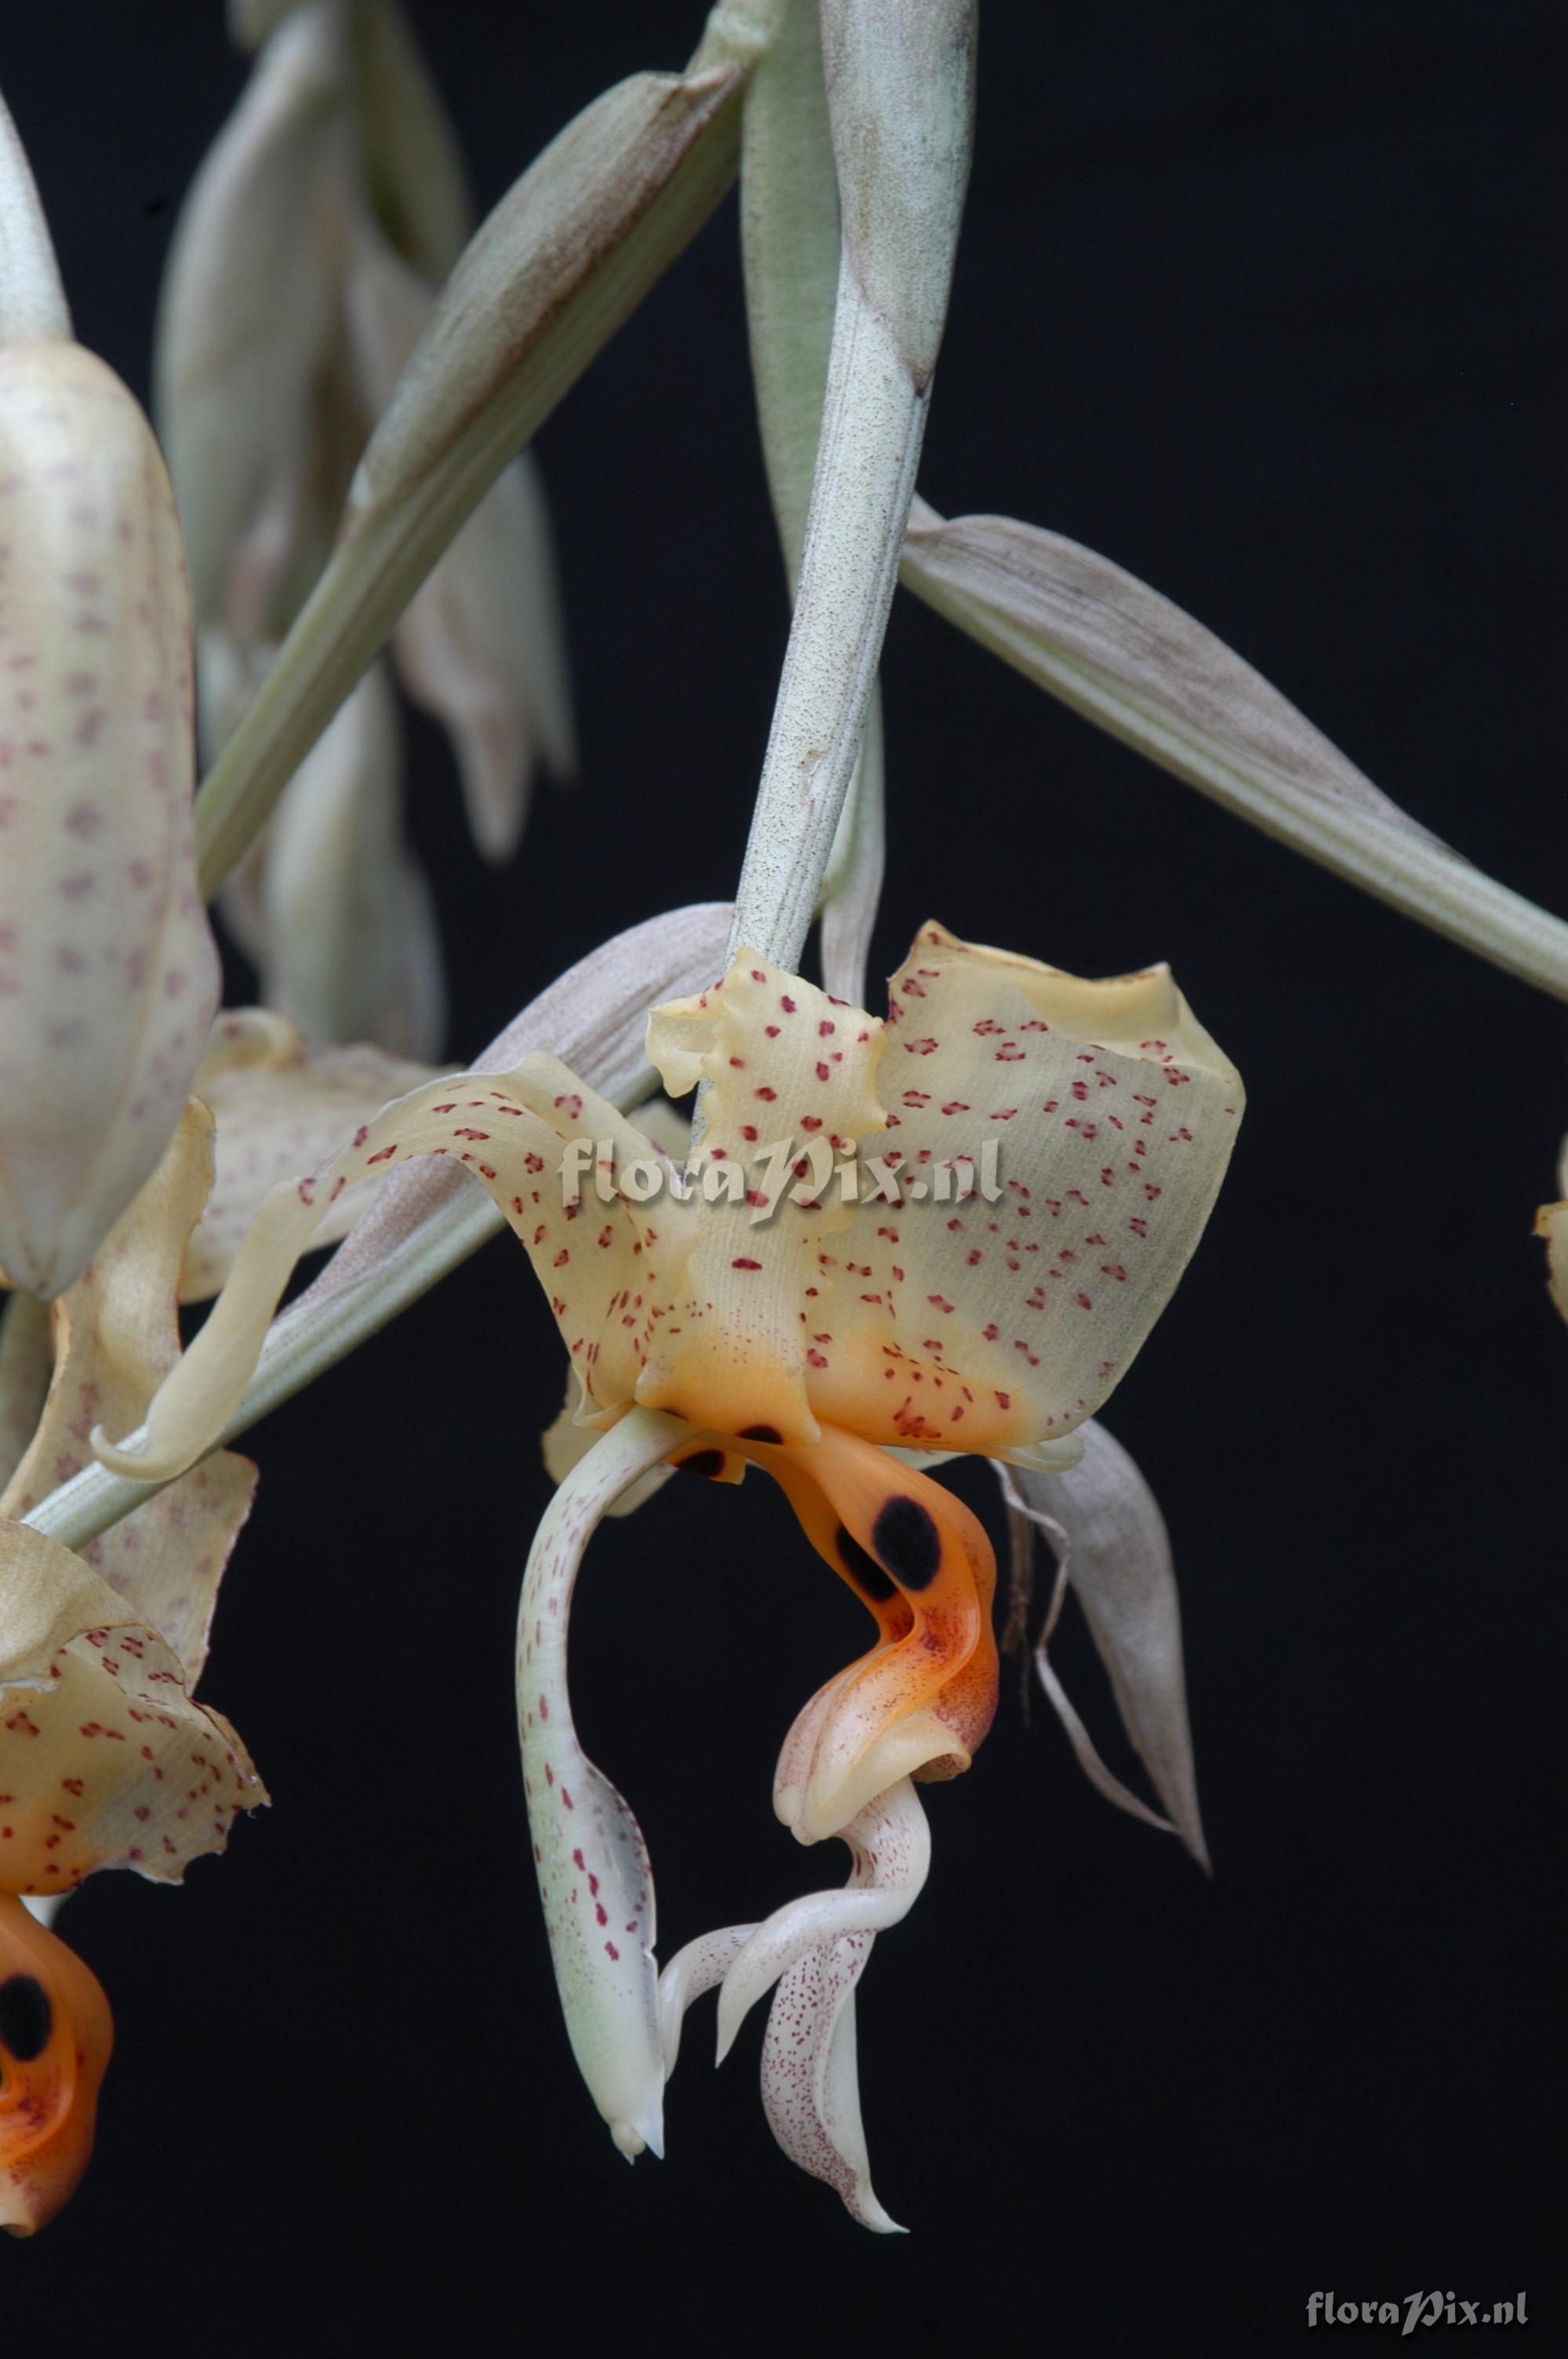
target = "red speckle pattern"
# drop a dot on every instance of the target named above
(110, 1762)
(1043, 1296)
(589, 1852)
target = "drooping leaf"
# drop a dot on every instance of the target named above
(1134, 664)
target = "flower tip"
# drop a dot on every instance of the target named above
(119, 1457)
(863, 2206)
(643, 2136)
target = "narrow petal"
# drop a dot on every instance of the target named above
(108, 976)
(55, 2040)
(1106, 1533)
(116, 1337)
(890, 1839)
(104, 1759)
(595, 1015)
(510, 1131)
(594, 1877)
(699, 1967)
(282, 1105)
(815, 1950)
(811, 2088)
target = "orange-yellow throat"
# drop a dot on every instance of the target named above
(919, 1702)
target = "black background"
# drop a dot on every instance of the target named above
(1256, 302)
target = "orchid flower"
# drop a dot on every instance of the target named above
(106, 1759)
(764, 1309)
(946, 1232)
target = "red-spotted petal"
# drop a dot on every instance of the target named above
(104, 1759)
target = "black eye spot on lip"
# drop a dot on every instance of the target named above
(862, 1568)
(761, 1433)
(906, 1538)
(25, 2017)
(708, 1463)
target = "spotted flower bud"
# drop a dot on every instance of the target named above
(108, 976)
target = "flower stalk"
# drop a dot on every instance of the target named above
(900, 90)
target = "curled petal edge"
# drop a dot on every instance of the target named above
(811, 1954)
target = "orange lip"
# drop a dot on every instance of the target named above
(56, 2035)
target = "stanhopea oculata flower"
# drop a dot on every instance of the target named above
(768, 1320)
(106, 1759)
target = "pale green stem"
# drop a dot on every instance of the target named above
(872, 433)
(900, 98)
